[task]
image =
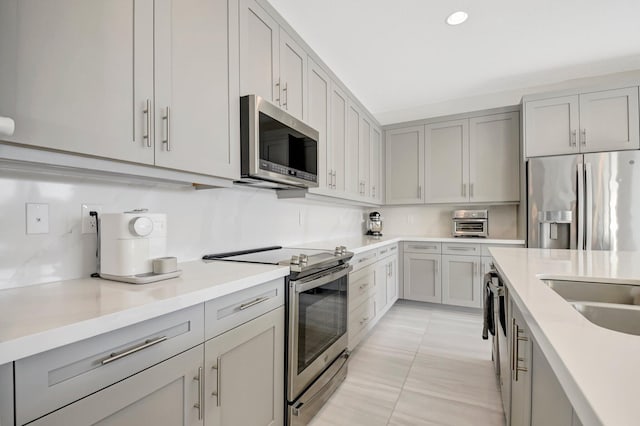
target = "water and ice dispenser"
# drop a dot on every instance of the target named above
(555, 229)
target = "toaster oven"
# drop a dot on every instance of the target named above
(470, 223)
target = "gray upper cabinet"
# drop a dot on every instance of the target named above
(145, 83)
(318, 107)
(404, 157)
(494, 158)
(605, 120)
(192, 96)
(167, 394)
(293, 74)
(86, 89)
(338, 138)
(272, 64)
(353, 185)
(259, 47)
(364, 158)
(447, 162)
(374, 174)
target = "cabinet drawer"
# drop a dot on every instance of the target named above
(361, 286)
(387, 251)
(52, 379)
(486, 247)
(462, 249)
(364, 259)
(427, 248)
(359, 320)
(230, 311)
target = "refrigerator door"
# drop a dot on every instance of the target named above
(613, 215)
(552, 199)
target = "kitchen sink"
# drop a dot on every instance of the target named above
(593, 291)
(622, 318)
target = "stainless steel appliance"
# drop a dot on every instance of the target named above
(276, 149)
(316, 307)
(374, 226)
(470, 223)
(586, 201)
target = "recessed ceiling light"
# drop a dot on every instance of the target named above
(457, 18)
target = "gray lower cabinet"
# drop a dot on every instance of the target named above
(167, 394)
(422, 277)
(6, 395)
(244, 374)
(461, 281)
(521, 366)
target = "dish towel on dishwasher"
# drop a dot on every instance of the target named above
(489, 326)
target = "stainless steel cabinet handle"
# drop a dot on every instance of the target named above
(216, 393)
(518, 339)
(277, 100)
(253, 303)
(363, 286)
(198, 404)
(383, 251)
(583, 137)
(416, 247)
(573, 138)
(147, 115)
(334, 180)
(364, 320)
(147, 344)
(167, 129)
(461, 248)
(285, 95)
(364, 259)
(513, 344)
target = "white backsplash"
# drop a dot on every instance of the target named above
(199, 222)
(435, 221)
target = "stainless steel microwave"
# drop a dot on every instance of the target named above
(277, 149)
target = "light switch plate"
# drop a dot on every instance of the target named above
(37, 218)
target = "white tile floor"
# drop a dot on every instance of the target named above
(421, 365)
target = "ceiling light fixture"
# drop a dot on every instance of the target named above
(457, 18)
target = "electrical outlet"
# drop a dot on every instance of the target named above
(89, 225)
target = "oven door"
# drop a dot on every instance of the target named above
(317, 325)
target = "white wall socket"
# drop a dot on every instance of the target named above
(37, 218)
(89, 225)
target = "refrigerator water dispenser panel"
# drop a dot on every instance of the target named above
(555, 229)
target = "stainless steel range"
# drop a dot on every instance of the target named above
(316, 307)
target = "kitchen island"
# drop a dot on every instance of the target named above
(596, 367)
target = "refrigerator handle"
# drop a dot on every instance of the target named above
(588, 205)
(581, 201)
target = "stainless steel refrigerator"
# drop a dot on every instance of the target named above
(586, 201)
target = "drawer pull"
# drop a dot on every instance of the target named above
(462, 248)
(216, 393)
(424, 247)
(383, 251)
(364, 259)
(364, 285)
(364, 321)
(253, 303)
(147, 344)
(198, 404)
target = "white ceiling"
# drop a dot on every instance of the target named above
(398, 56)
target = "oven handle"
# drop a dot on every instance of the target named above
(312, 282)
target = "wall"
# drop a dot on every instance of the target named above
(199, 222)
(435, 221)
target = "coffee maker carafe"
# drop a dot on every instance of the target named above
(375, 224)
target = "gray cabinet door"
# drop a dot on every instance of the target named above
(404, 165)
(192, 88)
(259, 46)
(494, 158)
(317, 115)
(551, 126)
(380, 286)
(352, 176)
(549, 404)
(245, 374)
(461, 281)
(520, 342)
(374, 172)
(76, 76)
(609, 120)
(392, 280)
(447, 162)
(364, 158)
(422, 277)
(293, 75)
(338, 136)
(167, 394)
(6, 395)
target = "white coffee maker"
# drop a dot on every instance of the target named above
(130, 242)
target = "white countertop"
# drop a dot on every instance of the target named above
(364, 243)
(598, 368)
(37, 318)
